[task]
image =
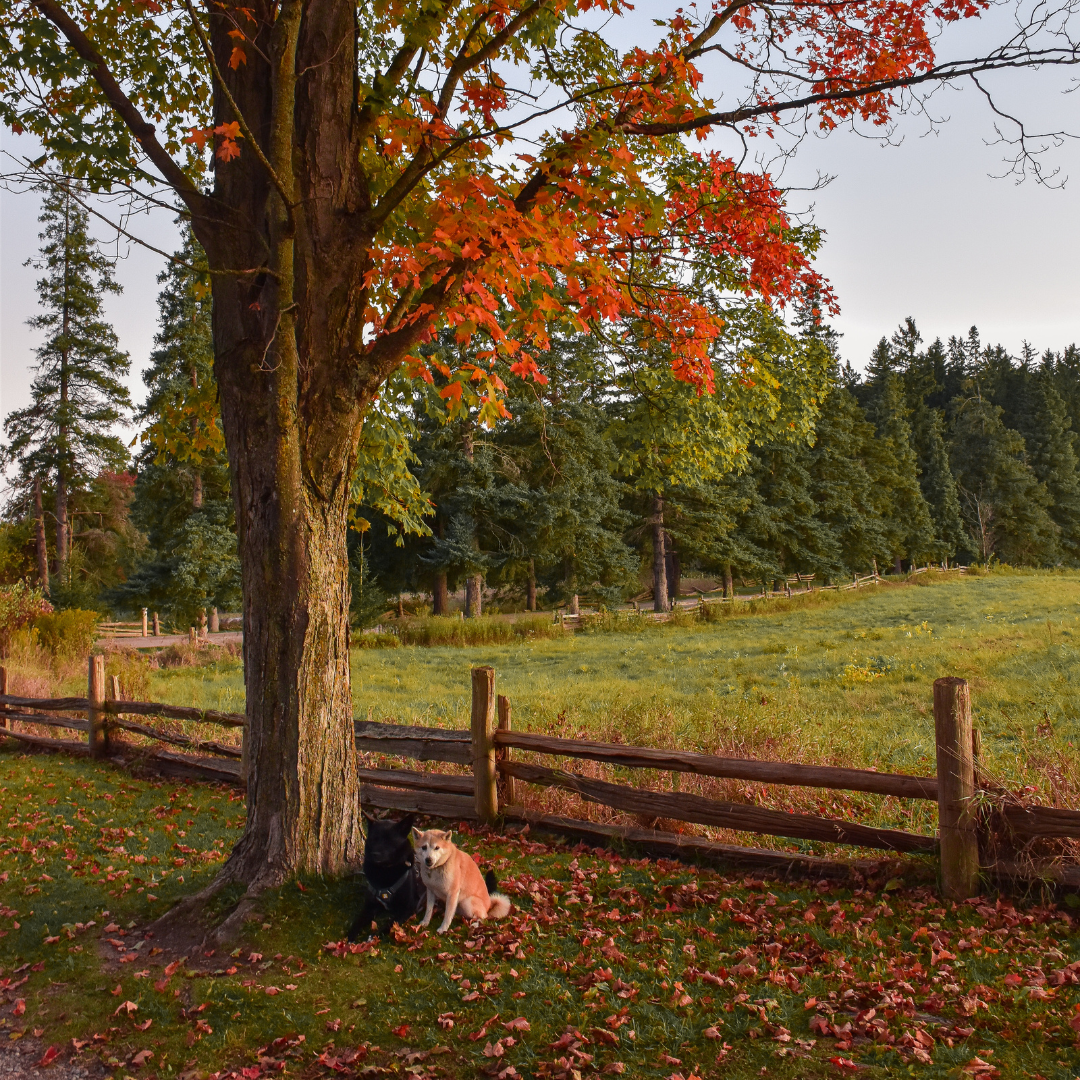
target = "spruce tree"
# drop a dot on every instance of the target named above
(1004, 505)
(905, 515)
(1041, 417)
(65, 438)
(182, 496)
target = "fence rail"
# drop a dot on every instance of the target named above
(490, 792)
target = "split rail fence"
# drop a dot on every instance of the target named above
(490, 792)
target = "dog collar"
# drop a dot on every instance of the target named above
(384, 896)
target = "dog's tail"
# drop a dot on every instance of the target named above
(500, 905)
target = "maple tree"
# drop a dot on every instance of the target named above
(382, 170)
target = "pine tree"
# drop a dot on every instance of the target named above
(182, 495)
(64, 438)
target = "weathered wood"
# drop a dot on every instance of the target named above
(48, 720)
(703, 811)
(68, 745)
(176, 740)
(115, 683)
(483, 747)
(1065, 876)
(195, 768)
(175, 712)
(692, 849)
(95, 696)
(450, 807)
(765, 772)
(1047, 821)
(144, 626)
(956, 789)
(420, 781)
(5, 721)
(507, 794)
(157, 625)
(411, 741)
(64, 704)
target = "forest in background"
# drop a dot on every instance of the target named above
(603, 479)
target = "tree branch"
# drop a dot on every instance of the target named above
(122, 105)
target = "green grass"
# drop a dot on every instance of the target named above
(624, 961)
(843, 679)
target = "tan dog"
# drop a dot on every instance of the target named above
(449, 874)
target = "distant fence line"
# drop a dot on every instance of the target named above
(150, 626)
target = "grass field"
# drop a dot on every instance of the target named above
(840, 678)
(607, 966)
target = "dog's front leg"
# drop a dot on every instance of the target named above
(451, 907)
(430, 907)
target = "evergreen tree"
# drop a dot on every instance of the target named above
(1041, 417)
(938, 484)
(905, 514)
(65, 437)
(182, 496)
(1004, 505)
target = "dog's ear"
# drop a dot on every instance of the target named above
(448, 835)
(406, 823)
(416, 832)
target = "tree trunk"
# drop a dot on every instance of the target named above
(898, 566)
(729, 585)
(63, 536)
(440, 599)
(659, 558)
(674, 572)
(474, 587)
(530, 596)
(39, 538)
(197, 480)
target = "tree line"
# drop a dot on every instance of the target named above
(601, 478)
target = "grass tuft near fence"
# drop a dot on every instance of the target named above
(438, 630)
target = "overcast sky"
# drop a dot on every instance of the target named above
(921, 229)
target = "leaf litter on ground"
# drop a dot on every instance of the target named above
(607, 965)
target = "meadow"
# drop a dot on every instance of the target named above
(842, 679)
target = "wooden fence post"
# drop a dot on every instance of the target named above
(95, 693)
(192, 640)
(144, 626)
(483, 747)
(5, 723)
(215, 621)
(506, 783)
(157, 625)
(956, 789)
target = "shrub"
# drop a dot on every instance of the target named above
(372, 639)
(69, 633)
(20, 605)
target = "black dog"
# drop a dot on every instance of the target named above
(394, 889)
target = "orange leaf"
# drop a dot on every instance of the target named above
(237, 57)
